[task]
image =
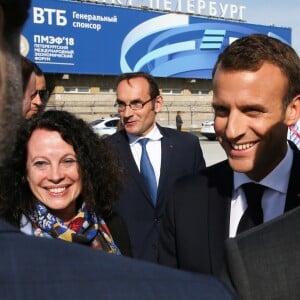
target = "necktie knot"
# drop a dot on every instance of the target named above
(143, 143)
(253, 215)
(253, 193)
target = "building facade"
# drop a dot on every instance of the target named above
(83, 46)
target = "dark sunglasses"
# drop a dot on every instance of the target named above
(44, 95)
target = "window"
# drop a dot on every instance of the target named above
(199, 92)
(171, 91)
(107, 90)
(79, 90)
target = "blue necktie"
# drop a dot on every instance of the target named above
(147, 171)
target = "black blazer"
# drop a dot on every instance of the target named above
(181, 155)
(55, 269)
(196, 222)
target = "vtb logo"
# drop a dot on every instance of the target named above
(49, 16)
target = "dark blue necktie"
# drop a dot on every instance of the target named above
(147, 171)
(253, 215)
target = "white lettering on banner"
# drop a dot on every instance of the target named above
(212, 9)
(179, 6)
(97, 18)
(87, 25)
(167, 5)
(89, 18)
(48, 47)
(199, 7)
(190, 6)
(223, 10)
(49, 16)
(48, 39)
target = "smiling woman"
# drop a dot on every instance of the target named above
(61, 184)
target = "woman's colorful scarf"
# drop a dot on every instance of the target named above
(85, 228)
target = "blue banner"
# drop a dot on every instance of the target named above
(86, 38)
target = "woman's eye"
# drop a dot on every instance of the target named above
(68, 162)
(40, 164)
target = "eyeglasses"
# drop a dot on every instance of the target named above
(134, 105)
(44, 95)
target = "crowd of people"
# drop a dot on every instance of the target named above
(80, 215)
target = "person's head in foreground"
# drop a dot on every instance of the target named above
(13, 14)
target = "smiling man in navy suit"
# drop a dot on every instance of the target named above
(172, 154)
(256, 97)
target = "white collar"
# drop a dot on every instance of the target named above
(154, 135)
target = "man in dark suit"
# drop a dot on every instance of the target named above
(256, 97)
(179, 121)
(264, 263)
(172, 154)
(34, 268)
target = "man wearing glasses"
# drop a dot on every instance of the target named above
(41, 86)
(145, 147)
(35, 94)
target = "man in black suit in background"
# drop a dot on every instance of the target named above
(172, 154)
(34, 268)
(256, 97)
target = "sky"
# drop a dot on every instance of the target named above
(281, 13)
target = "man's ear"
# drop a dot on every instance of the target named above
(158, 104)
(292, 113)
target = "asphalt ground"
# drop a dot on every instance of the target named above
(212, 151)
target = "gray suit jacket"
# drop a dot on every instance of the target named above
(264, 263)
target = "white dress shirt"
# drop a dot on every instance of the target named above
(274, 197)
(153, 148)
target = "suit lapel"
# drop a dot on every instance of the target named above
(220, 194)
(167, 148)
(293, 193)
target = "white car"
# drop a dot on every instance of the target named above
(207, 129)
(105, 126)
